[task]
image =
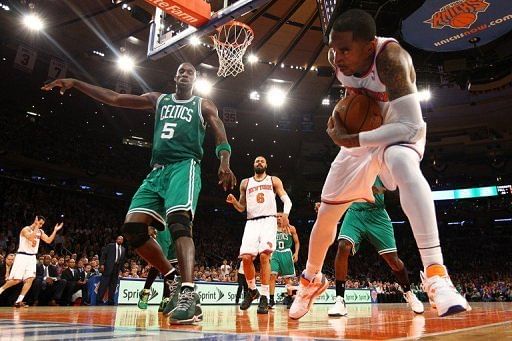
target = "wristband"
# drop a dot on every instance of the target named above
(223, 146)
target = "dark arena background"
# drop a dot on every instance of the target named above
(75, 160)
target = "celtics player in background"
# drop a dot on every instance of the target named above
(283, 259)
(163, 238)
(372, 222)
(170, 191)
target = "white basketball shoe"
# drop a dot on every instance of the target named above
(414, 302)
(339, 308)
(306, 295)
(442, 294)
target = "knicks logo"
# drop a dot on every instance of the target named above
(458, 14)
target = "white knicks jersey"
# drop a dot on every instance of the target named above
(369, 84)
(27, 246)
(260, 198)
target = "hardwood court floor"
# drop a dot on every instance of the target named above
(487, 321)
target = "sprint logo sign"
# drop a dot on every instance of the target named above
(211, 294)
(134, 294)
(129, 292)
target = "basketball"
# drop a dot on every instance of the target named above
(463, 20)
(358, 113)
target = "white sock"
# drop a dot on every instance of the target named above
(264, 288)
(20, 298)
(416, 200)
(188, 285)
(1, 290)
(251, 283)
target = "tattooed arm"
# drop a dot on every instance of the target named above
(396, 72)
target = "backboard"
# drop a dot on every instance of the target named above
(168, 34)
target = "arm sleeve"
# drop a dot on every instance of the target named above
(405, 125)
(287, 207)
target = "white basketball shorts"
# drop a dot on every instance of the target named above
(259, 236)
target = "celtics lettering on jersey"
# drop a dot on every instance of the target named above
(179, 130)
(284, 241)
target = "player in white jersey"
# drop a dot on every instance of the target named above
(382, 69)
(24, 267)
(257, 195)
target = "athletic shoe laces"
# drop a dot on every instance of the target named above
(186, 299)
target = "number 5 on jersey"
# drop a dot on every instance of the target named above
(168, 130)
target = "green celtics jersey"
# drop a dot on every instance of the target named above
(179, 130)
(379, 199)
(284, 241)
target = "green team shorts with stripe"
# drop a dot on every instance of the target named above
(281, 263)
(174, 187)
(163, 238)
(372, 224)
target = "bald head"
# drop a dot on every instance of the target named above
(185, 77)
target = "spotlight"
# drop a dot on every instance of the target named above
(424, 95)
(276, 97)
(203, 86)
(326, 101)
(126, 63)
(254, 95)
(252, 58)
(194, 41)
(33, 22)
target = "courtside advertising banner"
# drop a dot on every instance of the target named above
(447, 25)
(225, 293)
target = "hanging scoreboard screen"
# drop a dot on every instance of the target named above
(476, 192)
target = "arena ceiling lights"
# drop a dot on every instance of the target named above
(33, 22)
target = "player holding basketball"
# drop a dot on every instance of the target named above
(370, 221)
(24, 266)
(257, 195)
(382, 69)
(171, 189)
(283, 259)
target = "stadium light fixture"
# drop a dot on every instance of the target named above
(252, 58)
(254, 95)
(126, 63)
(203, 86)
(424, 95)
(276, 97)
(33, 22)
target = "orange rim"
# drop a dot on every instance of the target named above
(232, 23)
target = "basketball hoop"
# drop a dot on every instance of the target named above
(230, 42)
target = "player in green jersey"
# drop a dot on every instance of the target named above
(283, 259)
(170, 191)
(369, 221)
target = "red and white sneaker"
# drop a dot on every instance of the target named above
(306, 295)
(442, 294)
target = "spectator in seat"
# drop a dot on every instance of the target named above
(48, 287)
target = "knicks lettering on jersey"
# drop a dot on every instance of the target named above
(176, 111)
(260, 188)
(378, 96)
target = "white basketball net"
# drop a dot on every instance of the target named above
(230, 42)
